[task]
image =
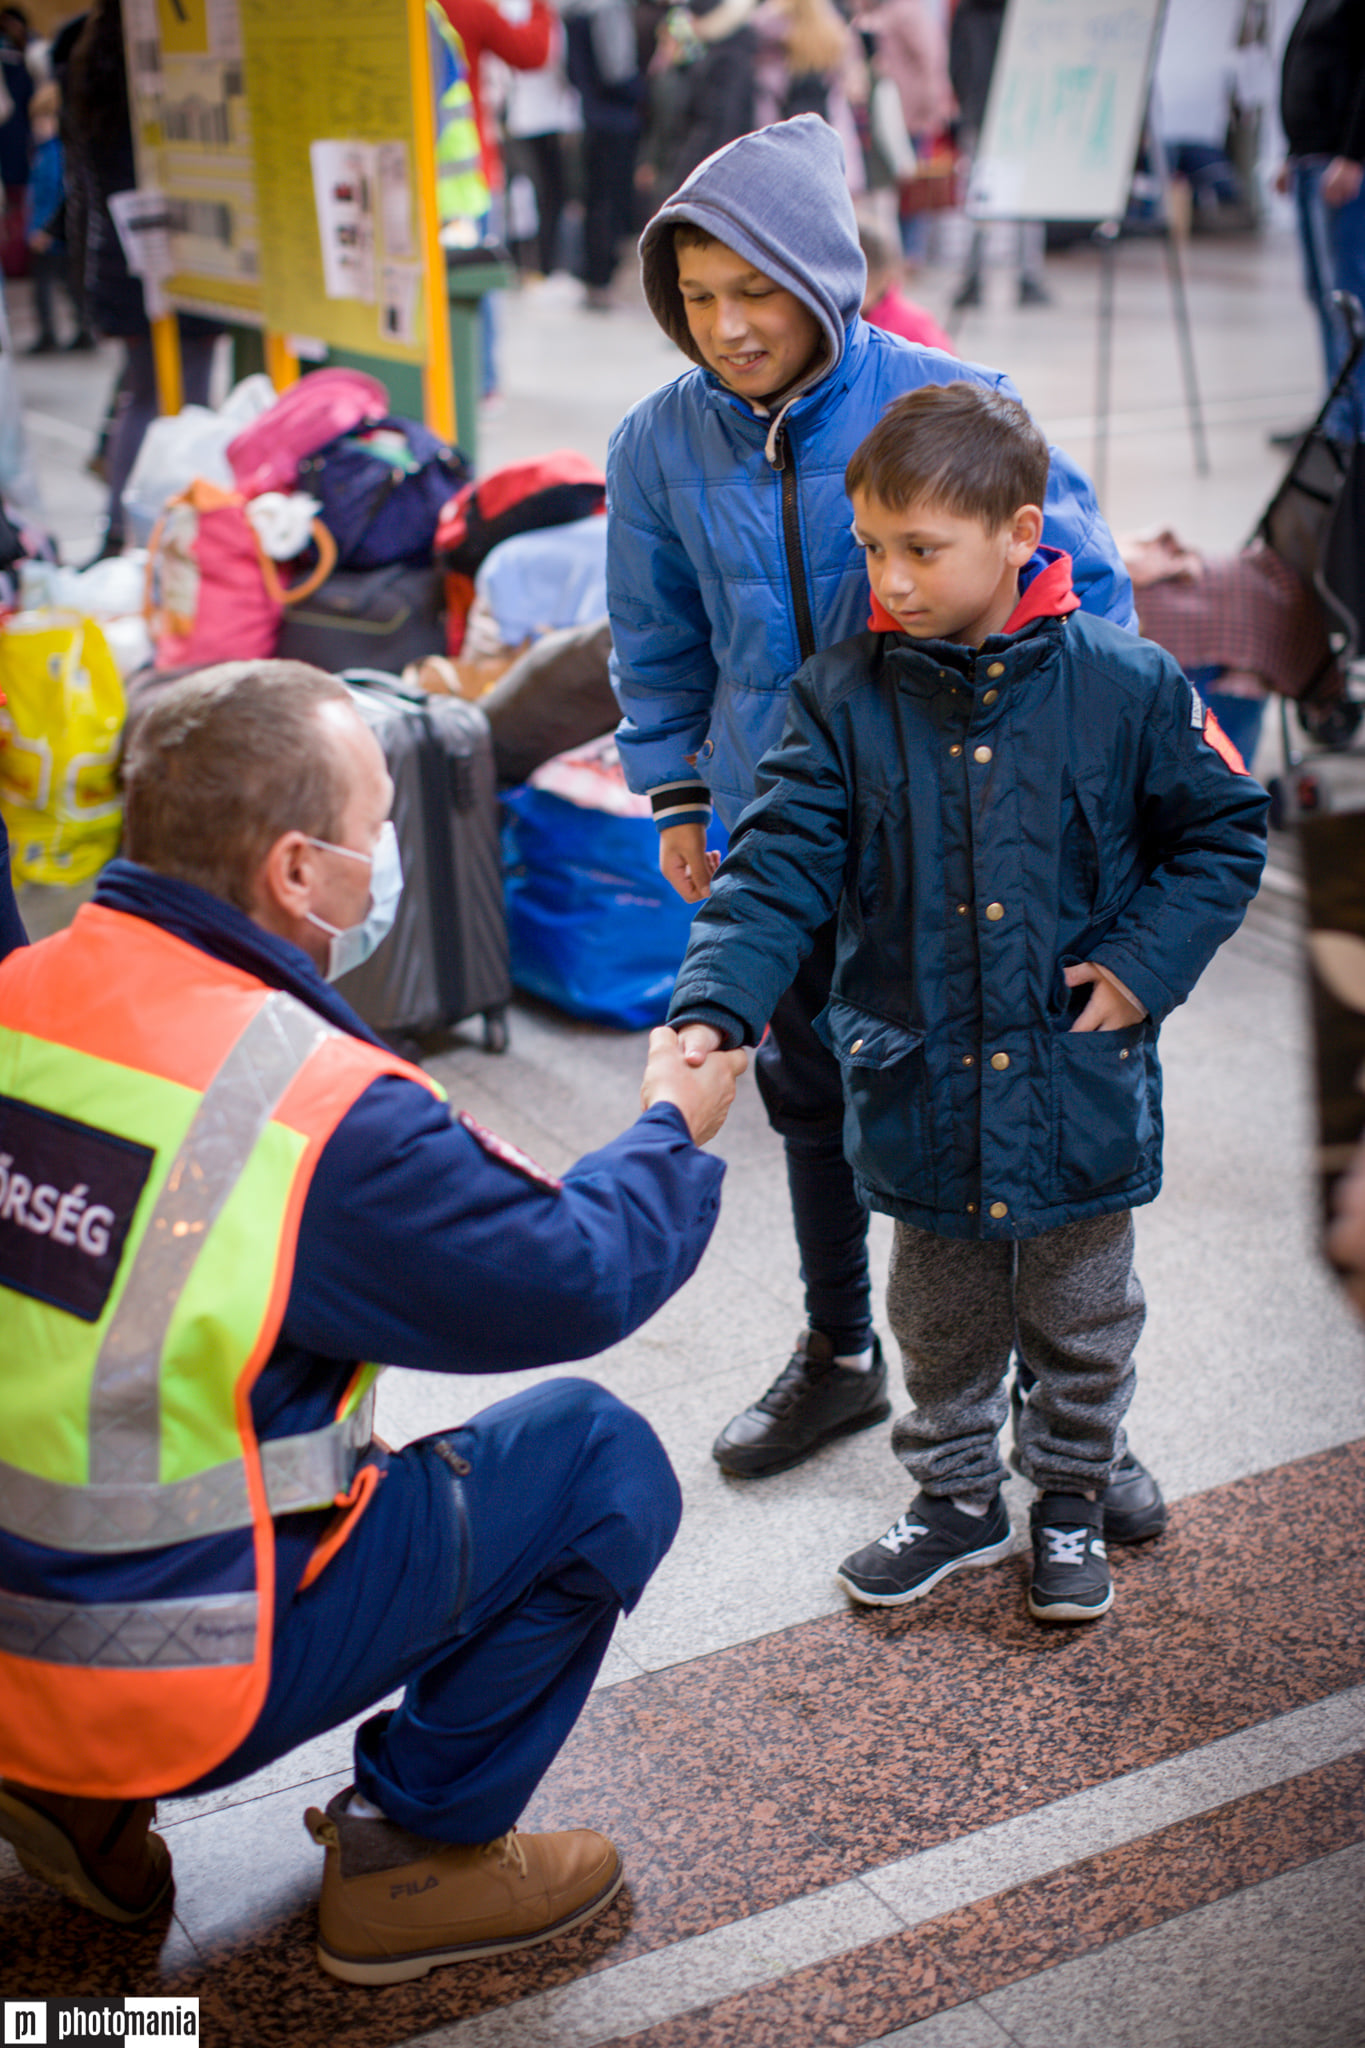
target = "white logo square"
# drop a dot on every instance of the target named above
(25, 2020)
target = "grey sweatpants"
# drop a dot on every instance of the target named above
(1071, 1305)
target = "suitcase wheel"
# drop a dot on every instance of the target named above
(495, 1030)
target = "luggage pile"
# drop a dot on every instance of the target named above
(321, 548)
(468, 616)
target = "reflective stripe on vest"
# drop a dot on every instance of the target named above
(124, 1506)
(461, 187)
(114, 1025)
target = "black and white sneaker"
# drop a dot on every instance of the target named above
(1070, 1568)
(931, 1539)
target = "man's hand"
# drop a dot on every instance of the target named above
(1111, 1005)
(685, 862)
(1341, 181)
(703, 1094)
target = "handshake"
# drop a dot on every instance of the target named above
(688, 1069)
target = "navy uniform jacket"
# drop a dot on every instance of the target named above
(420, 1245)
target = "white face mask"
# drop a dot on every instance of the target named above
(347, 948)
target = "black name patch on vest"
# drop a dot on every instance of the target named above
(67, 1197)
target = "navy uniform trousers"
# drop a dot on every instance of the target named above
(485, 1577)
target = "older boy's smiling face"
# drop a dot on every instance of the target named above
(755, 335)
(943, 575)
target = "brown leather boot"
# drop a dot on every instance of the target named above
(99, 1852)
(395, 1905)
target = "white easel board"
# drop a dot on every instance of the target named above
(1067, 102)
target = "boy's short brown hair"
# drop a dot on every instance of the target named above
(687, 235)
(961, 446)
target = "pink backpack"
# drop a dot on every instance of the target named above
(266, 455)
(213, 594)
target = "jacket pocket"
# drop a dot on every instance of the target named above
(886, 1097)
(1101, 1107)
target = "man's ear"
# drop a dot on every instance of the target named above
(284, 880)
(1026, 530)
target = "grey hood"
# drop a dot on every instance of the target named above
(780, 199)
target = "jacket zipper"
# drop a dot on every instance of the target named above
(791, 536)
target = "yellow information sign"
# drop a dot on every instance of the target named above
(193, 135)
(293, 147)
(342, 196)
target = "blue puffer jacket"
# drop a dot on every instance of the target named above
(730, 558)
(982, 819)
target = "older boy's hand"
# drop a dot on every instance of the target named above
(685, 862)
(703, 1094)
(1111, 1005)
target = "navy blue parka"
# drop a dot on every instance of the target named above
(980, 819)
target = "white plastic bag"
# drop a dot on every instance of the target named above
(111, 592)
(181, 446)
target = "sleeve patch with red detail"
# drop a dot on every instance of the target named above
(509, 1154)
(1221, 744)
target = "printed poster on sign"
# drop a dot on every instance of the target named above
(344, 184)
(193, 138)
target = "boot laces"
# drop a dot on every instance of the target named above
(792, 1383)
(510, 1851)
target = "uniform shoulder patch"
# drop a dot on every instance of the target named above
(507, 1153)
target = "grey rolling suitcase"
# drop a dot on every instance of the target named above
(446, 958)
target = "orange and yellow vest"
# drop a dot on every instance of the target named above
(161, 1115)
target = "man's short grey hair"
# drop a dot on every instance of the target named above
(222, 763)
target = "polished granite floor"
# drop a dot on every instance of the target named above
(943, 1827)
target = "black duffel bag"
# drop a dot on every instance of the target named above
(368, 618)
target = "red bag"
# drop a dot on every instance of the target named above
(550, 490)
(212, 593)
(936, 183)
(266, 455)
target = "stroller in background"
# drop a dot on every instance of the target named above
(1315, 523)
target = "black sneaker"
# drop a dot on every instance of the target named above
(931, 1539)
(1134, 1510)
(1070, 1569)
(810, 1403)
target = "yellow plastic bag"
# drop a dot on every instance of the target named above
(60, 726)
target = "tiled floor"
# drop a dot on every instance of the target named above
(944, 1827)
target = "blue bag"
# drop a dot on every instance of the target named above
(382, 488)
(594, 927)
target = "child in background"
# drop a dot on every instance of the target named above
(1034, 840)
(47, 206)
(885, 304)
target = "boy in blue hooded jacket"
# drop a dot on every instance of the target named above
(729, 563)
(1033, 842)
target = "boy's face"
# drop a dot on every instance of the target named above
(942, 575)
(755, 335)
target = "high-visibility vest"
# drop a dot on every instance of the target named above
(461, 187)
(161, 1115)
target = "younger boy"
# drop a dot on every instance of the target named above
(1034, 842)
